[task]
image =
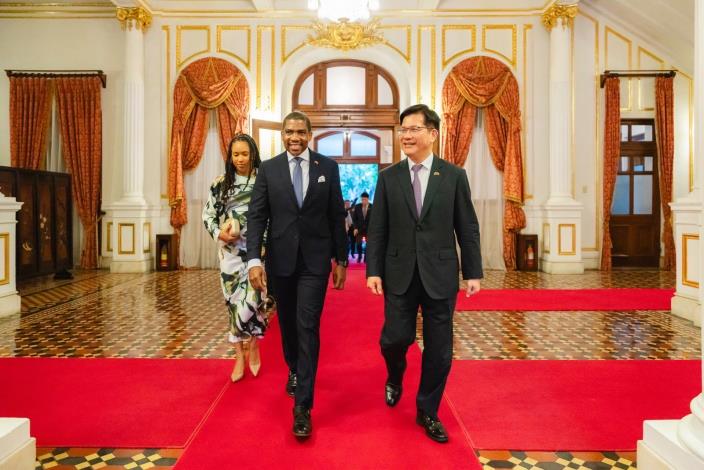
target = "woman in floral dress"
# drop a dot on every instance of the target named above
(225, 218)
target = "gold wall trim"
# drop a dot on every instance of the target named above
(285, 54)
(686, 237)
(642, 51)
(57, 14)
(526, 28)
(691, 129)
(546, 237)
(431, 29)
(108, 235)
(167, 90)
(62, 4)
(453, 27)
(147, 242)
(608, 30)
(260, 29)
(119, 239)
(179, 59)
(218, 42)
(407, 53)
(560, 251)
(597, 147)
(513, 28)
(5, 237)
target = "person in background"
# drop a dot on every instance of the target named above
(360, 218)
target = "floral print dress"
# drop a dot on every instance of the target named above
(243, 302)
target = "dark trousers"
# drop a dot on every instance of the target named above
(399, 332)
(351, 243)
(299, 300)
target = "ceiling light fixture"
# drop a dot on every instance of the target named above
(343, 10)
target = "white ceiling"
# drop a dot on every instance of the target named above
(667, 25)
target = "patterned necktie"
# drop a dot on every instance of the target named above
(417, 193)
(298, 181)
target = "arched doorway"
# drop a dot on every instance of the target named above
(353, 106)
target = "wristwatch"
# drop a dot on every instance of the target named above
(343, 263)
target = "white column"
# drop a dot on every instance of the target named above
(133, 180)
(562, 223)
(679, 444)
(129, 223)
(9, 297)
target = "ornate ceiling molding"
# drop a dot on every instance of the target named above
(345, 35)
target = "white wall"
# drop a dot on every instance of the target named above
(69, 44)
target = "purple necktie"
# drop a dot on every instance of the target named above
(417, 193)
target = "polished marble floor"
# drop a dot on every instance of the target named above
(180, 315)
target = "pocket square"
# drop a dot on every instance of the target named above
(321, 179)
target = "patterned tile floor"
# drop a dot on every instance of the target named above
(179, 315)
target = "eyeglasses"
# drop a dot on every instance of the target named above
(411, 130)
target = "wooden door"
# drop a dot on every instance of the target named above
(635, 212)
(267, 135)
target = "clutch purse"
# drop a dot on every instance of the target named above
(232, 226)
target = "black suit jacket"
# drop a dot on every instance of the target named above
(360, 222)
(398, 238)
(317, 228)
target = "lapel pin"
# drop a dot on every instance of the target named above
(316, 162)
(321, 179)
(437, 173)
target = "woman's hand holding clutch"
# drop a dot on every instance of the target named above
(230, 231)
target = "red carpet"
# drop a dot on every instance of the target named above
(352, 427)
(124, 403)
(568, 405)
(532, 299)
(566, 299)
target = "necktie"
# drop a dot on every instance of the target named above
(298, 181)
(417, 193)
(364, 212)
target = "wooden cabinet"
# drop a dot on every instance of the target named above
(44, 223)
(165, 252)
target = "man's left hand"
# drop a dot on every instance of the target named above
(472, 287)
(339, 274)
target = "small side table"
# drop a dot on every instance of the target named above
(165, 252)
(527, 252)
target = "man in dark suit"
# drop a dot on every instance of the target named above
(297, 199)
(422, 210)
(360, 218)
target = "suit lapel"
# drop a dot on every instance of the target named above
(285, 175)
(313, 174)
(434, 180)
(404, 180)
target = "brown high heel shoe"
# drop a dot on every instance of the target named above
(254, 357)
(238, 371)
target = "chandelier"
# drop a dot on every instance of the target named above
(343, 10)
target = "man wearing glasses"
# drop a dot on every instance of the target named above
(422, 211)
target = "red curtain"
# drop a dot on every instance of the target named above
(30, 109)
(612, 150)
(205, 84)
(665, 137)
(80, 117)
(487, 83)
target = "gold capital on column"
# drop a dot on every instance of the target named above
(134, 17)
(561, 12)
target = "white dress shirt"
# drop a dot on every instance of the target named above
(423, 173)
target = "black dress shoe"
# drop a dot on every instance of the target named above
(302, 425)
(392, 393)
(433, 427)
(291, 383)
